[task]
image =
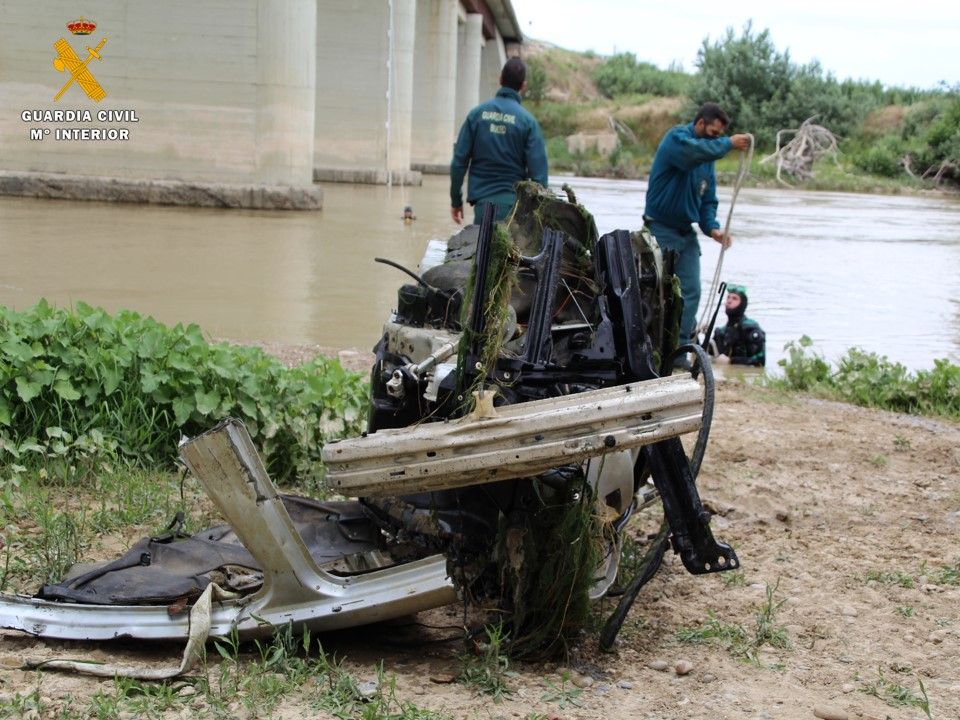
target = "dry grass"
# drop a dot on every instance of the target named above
(651, 120)
(569, 74)
(884, 121)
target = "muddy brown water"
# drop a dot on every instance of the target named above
(878, 272)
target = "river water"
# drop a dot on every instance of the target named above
(878, 272)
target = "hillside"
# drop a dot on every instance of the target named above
(604, 116)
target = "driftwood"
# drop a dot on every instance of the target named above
(945, 168)
(936, 172)
(809, 143)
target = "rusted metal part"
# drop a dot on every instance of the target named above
(521, 440)
(295, 590)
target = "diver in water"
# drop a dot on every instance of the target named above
(741, 341)
(408, 216)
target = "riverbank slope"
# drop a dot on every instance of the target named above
(848, 516)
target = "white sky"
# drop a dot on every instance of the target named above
(906, 44)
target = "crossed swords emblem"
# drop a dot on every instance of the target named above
(67, 60)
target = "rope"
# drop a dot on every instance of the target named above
(746, 162)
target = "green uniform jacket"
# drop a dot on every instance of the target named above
(682, 188)
(500, 143)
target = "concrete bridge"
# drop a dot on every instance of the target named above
(241, 102)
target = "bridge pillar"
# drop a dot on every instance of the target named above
(469, 49)
(435, 85)
(492, 58)
(286, 78)
(364, 93)
(223, 100)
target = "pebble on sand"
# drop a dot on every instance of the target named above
(683, 667)
(658, 665)
(825, 712)
(582, 681)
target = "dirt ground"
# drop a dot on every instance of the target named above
(852, 514)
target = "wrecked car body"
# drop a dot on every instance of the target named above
(521, 400)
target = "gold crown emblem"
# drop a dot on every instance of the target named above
(81, 26)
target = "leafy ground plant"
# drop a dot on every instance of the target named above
(487, 669)
(897, 695)
(872, 380)
(890, 577)
(83, 383)
(735, 638)
(563, 694)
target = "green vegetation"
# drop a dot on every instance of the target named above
(897, 695)
(79, 387)
(241, 681)
(948, 574)
(563, 694)
(886, 577)
(48, 522)
(871, 380)
(734, 578)
(487, 669)
(736, 639)
(623, 75)
(890, 138)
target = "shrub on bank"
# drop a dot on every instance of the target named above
(872, 380)
(81, 381)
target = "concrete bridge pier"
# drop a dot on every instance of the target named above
(469, 48)
(435, 85)
(493, 55)
(365, 71)
(286, 78)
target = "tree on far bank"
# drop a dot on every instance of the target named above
(764, 91)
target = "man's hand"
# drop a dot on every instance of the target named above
(740, 141)
(457, 214)
(718, 236)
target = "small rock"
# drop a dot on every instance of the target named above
(442, 678)
(826, 712)
(783, 516)
(419, 691)
(849, 611)
(848, 687)
(187, 691)
(757, 586)
(624, 685)
(602, 689)
(937, 636)
(658, 665)
(368, 688)
(582, 681)
(708, 678)
(683, 667)
(719, 522)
